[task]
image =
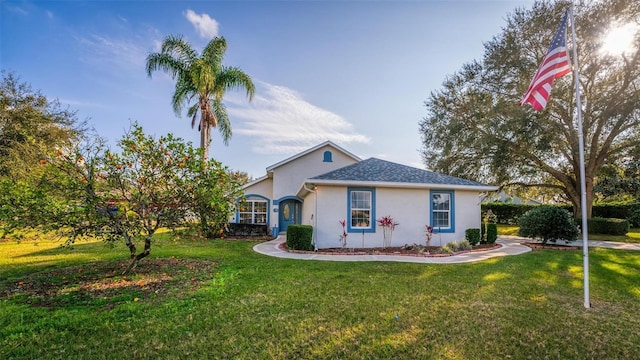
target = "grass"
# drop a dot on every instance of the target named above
(254, 307)
(633, 236)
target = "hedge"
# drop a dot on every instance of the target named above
(299, 237)
(598, 225)
(508, 213)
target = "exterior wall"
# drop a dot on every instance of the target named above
(408, 207)
(468, 213)
(288, 178)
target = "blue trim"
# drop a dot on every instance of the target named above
(327, 156)
(452, 211)
(297, 214)
(259, 196)
(372, 228)
(288, 197)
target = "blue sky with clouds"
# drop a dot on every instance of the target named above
(353, 72)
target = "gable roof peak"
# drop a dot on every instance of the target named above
(312, 149)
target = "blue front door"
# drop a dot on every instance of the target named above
(289, 211)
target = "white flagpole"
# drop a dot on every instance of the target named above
(583, 186)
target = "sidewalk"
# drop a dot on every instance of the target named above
(510, 245)
(592, 243)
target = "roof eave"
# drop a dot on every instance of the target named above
(399, 185)
(258, 180)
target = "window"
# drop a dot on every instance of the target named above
(442, 211)
(327, 156)
(253, 211)
(361, 209)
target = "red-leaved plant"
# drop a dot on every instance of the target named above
(343, 237)
(429, 230)
(388, 224)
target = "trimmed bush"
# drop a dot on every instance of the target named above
(599, 225)
(507, 213)
(472, 236)
(549, 223)
(634, 219)
(492, 233)
(299, 237)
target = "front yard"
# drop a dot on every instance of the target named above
(246, 305)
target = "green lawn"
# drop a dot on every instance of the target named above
(255, 307)
(633, 236)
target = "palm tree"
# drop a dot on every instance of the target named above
(202, 80)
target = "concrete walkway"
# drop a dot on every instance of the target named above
(510, 245)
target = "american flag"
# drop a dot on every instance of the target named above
(555, 64)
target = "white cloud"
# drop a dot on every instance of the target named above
(16, 9)
(204, 24)
(123, 52)
(49, 14)
(283, 122)
(80, 103)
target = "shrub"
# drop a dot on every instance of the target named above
(446, 249)
(472, 236)
(550, 223)
(634, 218)
(508, 213)
(464, 245)
(492, 233)
(606, 226)
(453, 245)
(299, 237)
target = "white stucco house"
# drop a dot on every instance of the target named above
(326, 184)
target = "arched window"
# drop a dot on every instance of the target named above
(253, 211)
(327, 156)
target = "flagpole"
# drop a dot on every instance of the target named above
(583, 186)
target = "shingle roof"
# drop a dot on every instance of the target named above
(377, 170)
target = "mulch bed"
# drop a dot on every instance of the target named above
(433, 251)
(541, 246)
(103, 282)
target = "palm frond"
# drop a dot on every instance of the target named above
(214, 52)
(193, 112)
(175, 45)
(165, 62)
(224, 125)
(232, 78)
(184, 92)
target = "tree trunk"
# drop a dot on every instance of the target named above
(130, 245)
(204, 140)
(575, 195)
(142, 255)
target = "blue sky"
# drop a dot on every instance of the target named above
(353, 72)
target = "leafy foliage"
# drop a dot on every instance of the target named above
(608, 226)
(472, 236)
(548, 223)
(492, 233)
(149, 184)
(300, 237)
(31, 127)
(474, 127)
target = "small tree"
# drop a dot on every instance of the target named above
(129, 195)
(549, 223)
